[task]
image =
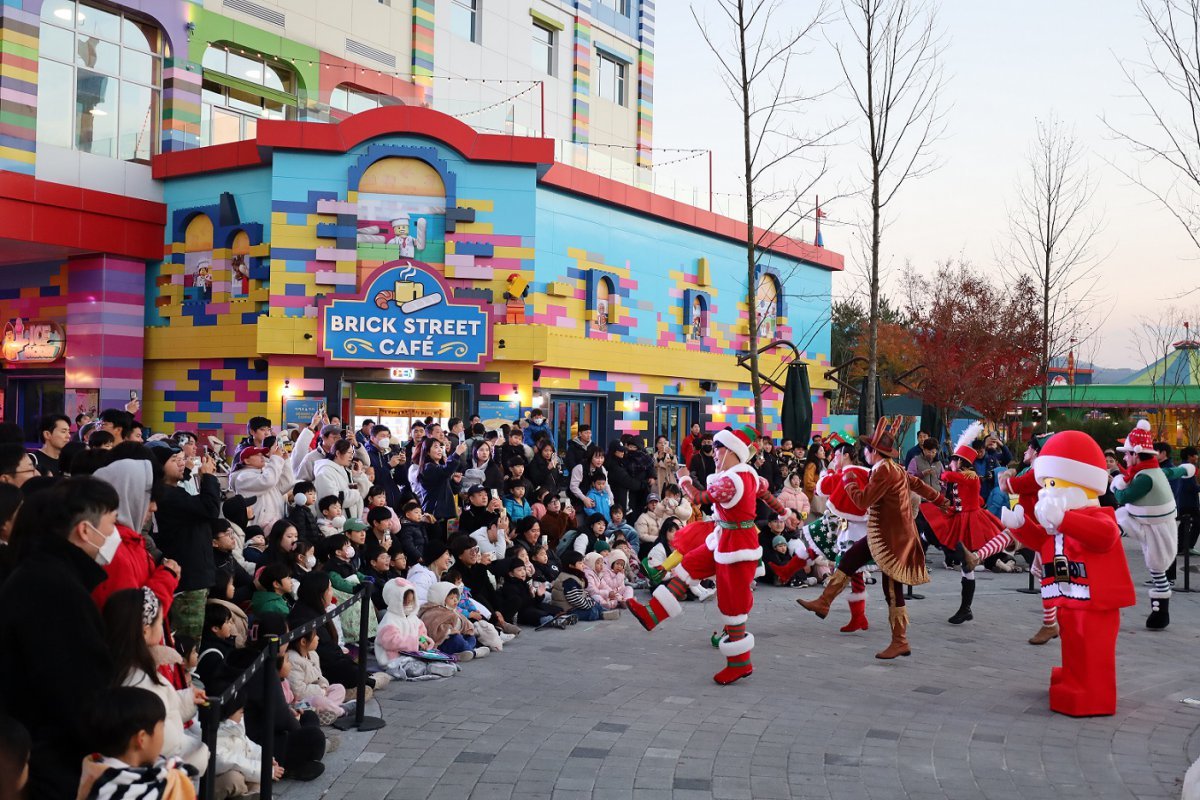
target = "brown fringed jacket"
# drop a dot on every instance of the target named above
(892, 536)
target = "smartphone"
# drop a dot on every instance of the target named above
(495, 494)
(133, 395)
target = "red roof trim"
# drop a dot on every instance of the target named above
(578, 181)
(78, 218)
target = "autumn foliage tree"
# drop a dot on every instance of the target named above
(978, 341)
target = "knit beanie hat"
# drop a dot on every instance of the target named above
(602, 546)
(433, 551)
(778, 540)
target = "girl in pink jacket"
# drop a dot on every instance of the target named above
(793, 496)
(609, 588)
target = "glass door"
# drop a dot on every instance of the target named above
(567, 411)
(672, 418)
(30, 399)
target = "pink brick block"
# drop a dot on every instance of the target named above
(504, 240)
(457, 260)
(336, 207)
(188, 406)
(590, 385)
(470, 272)
(555, 372)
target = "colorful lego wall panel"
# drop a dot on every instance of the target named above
(215, 396)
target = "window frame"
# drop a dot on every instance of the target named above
(53, 20)
(550, 64)
(218, 80)
(620, 78)
(472, 9)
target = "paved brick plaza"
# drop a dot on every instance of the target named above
(604, 710)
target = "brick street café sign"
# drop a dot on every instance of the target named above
(406, 316)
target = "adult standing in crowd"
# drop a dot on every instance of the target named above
(620, 482)
(338, 475)
(582, 476)
(363, 434)
(55, 430)
(50, 624)
(117, 422)
(185, 534)
(577, 448)
(665, 463)
(691, 443)
(701, 464)
(263, 474)
(16, 465)
(390, 466)
(537, 430)
(543, 470)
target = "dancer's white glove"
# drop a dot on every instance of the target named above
(1012, 518)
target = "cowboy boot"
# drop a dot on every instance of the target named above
(858, 613)
(964, 608)
(663, 605)
(820, 606)
(898, 618)
(1044, 634)
(737, 659)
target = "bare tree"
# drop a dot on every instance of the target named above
(1051, 237)
(1166, 85)
(894, 72)
(756, 65)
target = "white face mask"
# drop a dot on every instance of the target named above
(384, 443)
(300, 500)
(349, 552)
(338, 522)
(107, 550)
(310, 561)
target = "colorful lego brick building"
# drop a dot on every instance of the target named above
(399, 265)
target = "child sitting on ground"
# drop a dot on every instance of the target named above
(520, 600)
(545, 569)
(479, 616)
(653, 563)
(127, 736)
(569, 595)
(379, 520)
(556, 521)
(611, 589)
(377, 498)
(379, 570)
(585, 539)
(276, 593)
(450, 632)
(308, 684)
(332, 519)
(515, 504)
(618, 525)
(239, 760)
(600, 496)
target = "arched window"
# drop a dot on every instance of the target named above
(99, 81)
(605, 306)
(198, 259)
(239, 89)
(766, 306)
(695, 317)
(239, 265)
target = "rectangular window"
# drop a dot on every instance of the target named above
(464, 19)
(610, 78)
(619, 6)
(543, 48)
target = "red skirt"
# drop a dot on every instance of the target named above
(973, 528)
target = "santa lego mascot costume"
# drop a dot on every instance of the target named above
(726, 548)
(1085, 575)
(844, 523)
(1146, 512)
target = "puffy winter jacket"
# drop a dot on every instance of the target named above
(401, 628)
(269, 485)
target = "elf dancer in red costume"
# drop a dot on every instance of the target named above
(1086, 574)
(967, 526)
(852, 525)
(730, 551)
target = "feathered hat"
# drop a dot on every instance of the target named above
(964, 447)
(883, 440)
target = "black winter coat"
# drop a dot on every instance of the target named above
(439, 490)
(412, 540)
(306, 523)
(49, 623)
(185, 531)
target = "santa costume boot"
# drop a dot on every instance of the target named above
(898, 618)
(820, 606)
(1049, 629)
(964, 609)
(858, 605)
(664, 604)
(737, 655)
(1160, 611)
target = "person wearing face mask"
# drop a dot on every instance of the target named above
(701, 464)
(48, 621)
(132, 566)
(185, 535)
(391, 468)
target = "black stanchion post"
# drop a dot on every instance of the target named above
(270, 687)
(1032, 587)
(360, 720)
(1187, 571)
(908, 594)
(210, 719)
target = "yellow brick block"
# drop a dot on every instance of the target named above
(475, 227)
(526, 253)
(478, 205)
(703, 274)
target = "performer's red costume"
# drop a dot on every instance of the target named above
(1086, 574)
(726, 549)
